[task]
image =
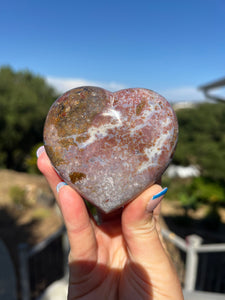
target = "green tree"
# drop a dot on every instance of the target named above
(202, 139)
(24, 102)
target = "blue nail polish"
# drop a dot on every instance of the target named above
(163, 192)
(155, 200)
(60, 185)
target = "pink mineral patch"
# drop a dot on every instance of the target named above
(110, 146)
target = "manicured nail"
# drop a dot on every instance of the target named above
(60, 185)
(40, 150)
(162, 193)
(156, 200)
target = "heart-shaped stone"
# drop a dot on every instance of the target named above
(110, 146)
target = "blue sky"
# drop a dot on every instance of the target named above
(170, 46)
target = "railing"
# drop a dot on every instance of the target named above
(196, 269)
(197, 276)
(45, 256)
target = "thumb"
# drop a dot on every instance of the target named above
(144, 247)
(139, 226)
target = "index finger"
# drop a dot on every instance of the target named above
(76, 217)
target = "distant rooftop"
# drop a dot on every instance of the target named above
(184, 105)
(212, 86)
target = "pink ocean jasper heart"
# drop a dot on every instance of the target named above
(110, 146)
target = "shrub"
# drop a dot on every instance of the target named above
(18, 196)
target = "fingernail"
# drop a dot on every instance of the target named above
(155, 200)
(40, 150)
(60, 185)
(162, 193)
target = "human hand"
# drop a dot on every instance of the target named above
(124, 257)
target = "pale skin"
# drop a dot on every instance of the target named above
(123, 258)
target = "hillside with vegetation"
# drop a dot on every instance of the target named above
(202, 139)
(25, 99)
(24, 102)
(201, 143)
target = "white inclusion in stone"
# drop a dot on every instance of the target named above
(144, 116)
(111, 100)
(115, 114)
(102, 131)
(155, 151)
(147, 113)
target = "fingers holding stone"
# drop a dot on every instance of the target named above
(46, 168)
(79, 225)
(139, 226)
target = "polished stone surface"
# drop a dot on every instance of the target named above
(110, 146)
